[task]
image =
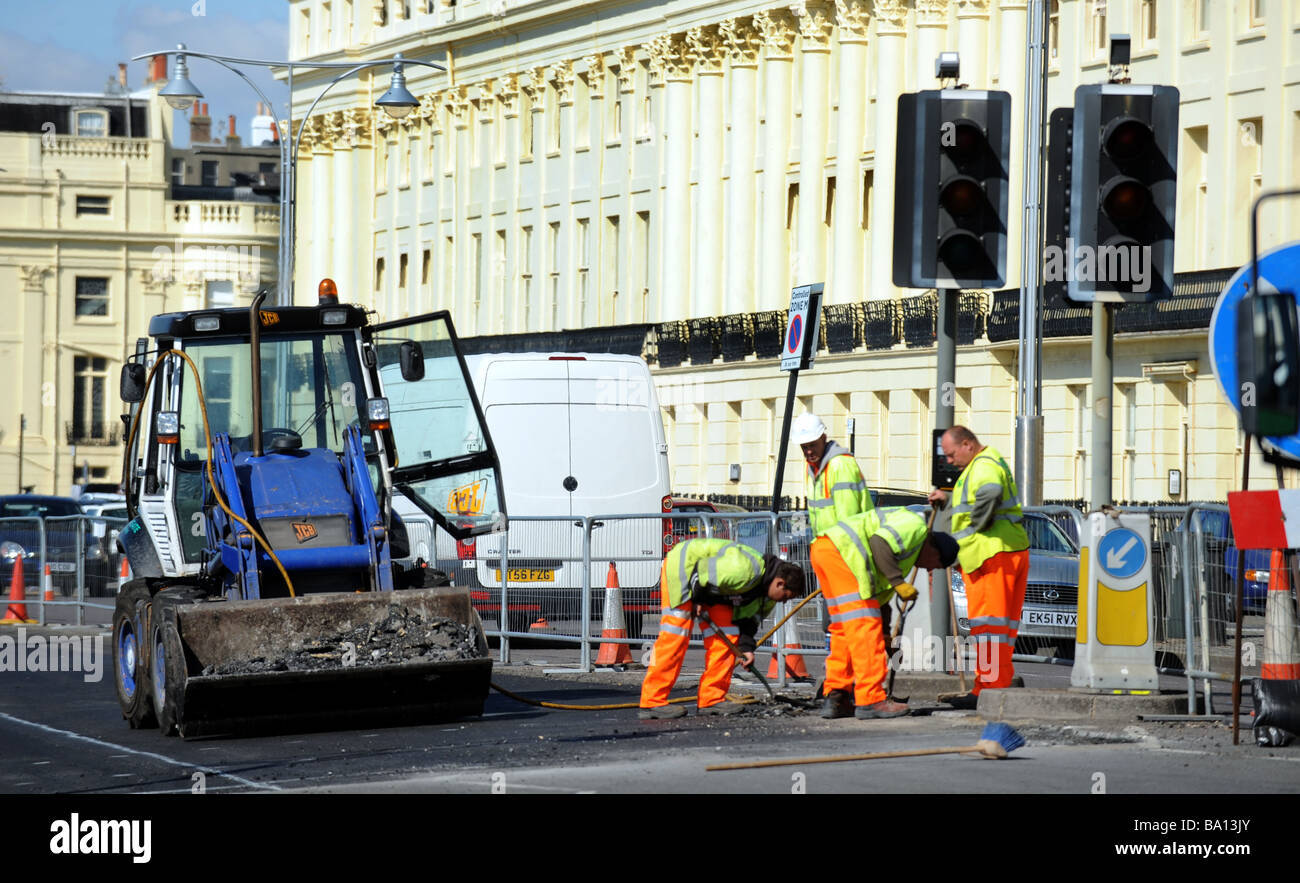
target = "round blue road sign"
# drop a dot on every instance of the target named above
(1121, 553)
(796, 332)
(1279, 270)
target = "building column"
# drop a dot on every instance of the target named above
(742, 43)
(670, 55)
(809, 265)
(522, 317)
(706, 48)
(1012, 32)
(319, 210)
(891, 80)
(347, 127)
(973, 41)
(463, 283)
(931, 29)
(847, 281)
(778, 32)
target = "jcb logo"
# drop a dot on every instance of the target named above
(268, 317)
(304, 531)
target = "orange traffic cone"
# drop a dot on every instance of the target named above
(794, 664)
(1281, 658)
(123, 575)
(613, 626)
(48, 584)
(541, 625)
(16, 612)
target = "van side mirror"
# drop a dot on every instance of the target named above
(1268, 364)
(132, 383)
(412, 359)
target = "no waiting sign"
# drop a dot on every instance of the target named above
(799, 345)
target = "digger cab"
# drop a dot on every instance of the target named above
(320, 375)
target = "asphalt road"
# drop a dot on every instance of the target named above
(60, 734)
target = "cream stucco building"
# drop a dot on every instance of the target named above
(681, 166)
(91, 246)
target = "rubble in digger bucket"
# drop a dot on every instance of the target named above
(322, 660)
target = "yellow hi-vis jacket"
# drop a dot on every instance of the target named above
(724, 572)
(835, 491)
(902, 530)
(986, 512)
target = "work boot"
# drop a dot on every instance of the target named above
(962, 701)
(838, 703)
(661, 712)
(721, 708)
(881, 709)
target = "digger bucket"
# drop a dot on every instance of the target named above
(318, 661)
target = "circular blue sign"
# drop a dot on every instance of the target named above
(1121, 553)
(796, 332)
(1279, 270)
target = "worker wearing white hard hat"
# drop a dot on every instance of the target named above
(833, 483)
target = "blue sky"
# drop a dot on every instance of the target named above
(75, 46)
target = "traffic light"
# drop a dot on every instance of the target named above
(950, 196)
(1123, 193)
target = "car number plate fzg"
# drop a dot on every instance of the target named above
(1057, 618)
(528, 574)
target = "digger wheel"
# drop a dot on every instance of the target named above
(131, 655)
(168, 675)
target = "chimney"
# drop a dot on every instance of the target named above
(121, 75)
(200, 124)
(157, 70)
(232, 138)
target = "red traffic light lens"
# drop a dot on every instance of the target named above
(1125, 199)
(961, 196)
(1126, 138)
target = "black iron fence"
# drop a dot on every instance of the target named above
(870, 325)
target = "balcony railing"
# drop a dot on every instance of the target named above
(106, 148)
(105, 435)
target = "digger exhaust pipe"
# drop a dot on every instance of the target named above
(255, 346)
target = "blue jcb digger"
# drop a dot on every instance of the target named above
(272, 585)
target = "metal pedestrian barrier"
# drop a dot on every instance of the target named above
(67, 562)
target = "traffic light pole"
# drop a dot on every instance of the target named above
(1103, 379)
(945, 389)
(1029, 419)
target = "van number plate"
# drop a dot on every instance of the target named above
(528, 574)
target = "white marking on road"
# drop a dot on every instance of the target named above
(20, 784)
(123, 775)
(40, 763)
(162, 757)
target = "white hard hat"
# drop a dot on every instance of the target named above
(807, 428)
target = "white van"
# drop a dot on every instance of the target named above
(577, 434)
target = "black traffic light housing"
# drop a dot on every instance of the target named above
(950, 196)
(1122, 195)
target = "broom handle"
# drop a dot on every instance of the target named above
(839, 758)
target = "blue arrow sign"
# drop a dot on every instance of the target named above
(1279, 270)
(1121, 553)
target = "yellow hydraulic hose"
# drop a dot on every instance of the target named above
(207, 433)
(739, 700)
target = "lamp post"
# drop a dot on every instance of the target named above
(397, 102)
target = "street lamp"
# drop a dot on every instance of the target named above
(397, 102)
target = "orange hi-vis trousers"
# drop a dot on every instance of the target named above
(670, 652)
(995, 595)
(858, 659)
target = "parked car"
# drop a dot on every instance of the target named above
(1051, 611)
(23, 538)
(684, 528)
